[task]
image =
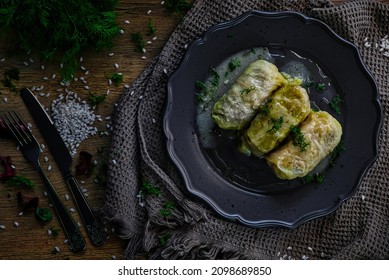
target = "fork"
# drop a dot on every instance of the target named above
(30, 149)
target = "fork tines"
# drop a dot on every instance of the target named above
(18, 128)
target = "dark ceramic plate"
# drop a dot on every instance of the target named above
(243, 188)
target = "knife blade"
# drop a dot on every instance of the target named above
(64, 160)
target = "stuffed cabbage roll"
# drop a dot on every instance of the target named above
(236, 108)
(287, 108)
(316, 137)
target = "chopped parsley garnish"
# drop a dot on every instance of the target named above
(265, 108)
(207, 92)
(137, 38)
(247, 90)
(277, 123)
(336, 152)
(336, 102)
(319, 86)
(298, 138)
(313, 178)
(233, 64)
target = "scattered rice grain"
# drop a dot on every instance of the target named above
(72, 210)
(67, 197)
(116, 65)
(111, 54)
(16, 224)
(42, 67)
(149, 12)
(20, 213)
(2, 227)
(57, 250)
(5, 99)
(49, 167)
(121, 31)
(25, 63)
(82, 68)
(126, 21)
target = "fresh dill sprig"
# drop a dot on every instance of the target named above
(60, 30)
(167, 208)
(95, 99)
(149, 189)
(336, 152)
(140, 43)
(178, 7)
(313, 178)
(9, 76)
(116, 78)
(277, 123)
(151, 27)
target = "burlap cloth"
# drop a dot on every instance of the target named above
(359, 229)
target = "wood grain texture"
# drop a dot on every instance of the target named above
(30, 239)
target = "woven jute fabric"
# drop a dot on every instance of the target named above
(359, 229)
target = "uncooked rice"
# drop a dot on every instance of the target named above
(73, 119)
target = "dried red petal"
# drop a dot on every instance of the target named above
(9, 168)
(84, 165)
(27, 203)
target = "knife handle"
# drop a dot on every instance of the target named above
(94, 229)
(72, 231)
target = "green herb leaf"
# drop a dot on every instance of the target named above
(20, 181)
(336, 103)
(320, 87)
(140, 43)
(60, 29)
(298, 138)
(55, 231)
(336, 152)
(178, 7)
(149, 189)
(277, 123)
(116, 78)
(207, 91)
(233, 64)
(247, 90)
(164, 239)
(313, 178)
(9, 76)
(95, 99)
(43, 214)
(152, 28)
(166, 210)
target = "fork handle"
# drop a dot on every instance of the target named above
(72, 231)
(94, 229)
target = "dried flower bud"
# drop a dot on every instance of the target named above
(84, 166)
(9, 168)
(27, 203)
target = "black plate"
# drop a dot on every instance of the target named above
(215, 175)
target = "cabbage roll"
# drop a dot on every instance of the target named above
(316, 138)
(287, 108)
(236, 108)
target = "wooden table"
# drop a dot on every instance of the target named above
(30, 240)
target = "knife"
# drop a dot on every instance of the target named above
(63, 159)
